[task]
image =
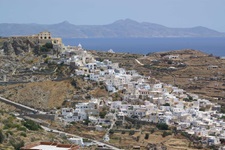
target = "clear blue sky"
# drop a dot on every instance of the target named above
(171, 13)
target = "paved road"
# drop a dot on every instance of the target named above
(73, 135)
(139, 62)
(21, 106)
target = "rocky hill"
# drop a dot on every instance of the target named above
(16, 46)
(121, 28)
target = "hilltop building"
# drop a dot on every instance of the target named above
(45, 36)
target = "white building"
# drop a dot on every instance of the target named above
(77, 141)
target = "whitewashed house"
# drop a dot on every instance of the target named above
(76, 116)
(115, 105)
(153, 117)
(94, 77)
(110, 87)
(67, 111)
(91, 66)
(77, 141)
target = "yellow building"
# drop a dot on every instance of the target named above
(44, 37)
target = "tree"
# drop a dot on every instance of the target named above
(138, 138)
(166, 104)
(48, 45)
(170, 62)
(87, 121)
(102, 114)
(146, 136)
(44, 49)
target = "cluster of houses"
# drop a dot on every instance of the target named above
(160, 103)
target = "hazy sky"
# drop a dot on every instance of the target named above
(171, 13)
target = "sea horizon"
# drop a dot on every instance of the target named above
(215, 46)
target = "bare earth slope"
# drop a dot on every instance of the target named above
(42, 95)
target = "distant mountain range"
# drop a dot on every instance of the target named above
(120, 29)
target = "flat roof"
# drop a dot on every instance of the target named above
(49, 147)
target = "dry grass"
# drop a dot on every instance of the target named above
(44, 95)
(172, 142)
(98, 92)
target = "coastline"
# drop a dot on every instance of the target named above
(213, 46)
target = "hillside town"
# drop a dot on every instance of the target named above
(158, 103)
(143, 97)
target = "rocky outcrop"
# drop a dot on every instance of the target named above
(19, 45)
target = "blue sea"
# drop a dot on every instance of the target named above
(215, 46)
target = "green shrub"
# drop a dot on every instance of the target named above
(152, 130)
(222, 109)
(2, 137)
(185, 134)
(202, 109)
(166, 134)
(17, 144)
(31, 125)
(138, 126)
(111, 131)
(128, 127)
(44, 49)
(9, 133)
(2, 112)
(223, 117)
(9, 125)
(131, 132)
(23, 134)
(20, 128)
(47, 47)
(162, 126)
